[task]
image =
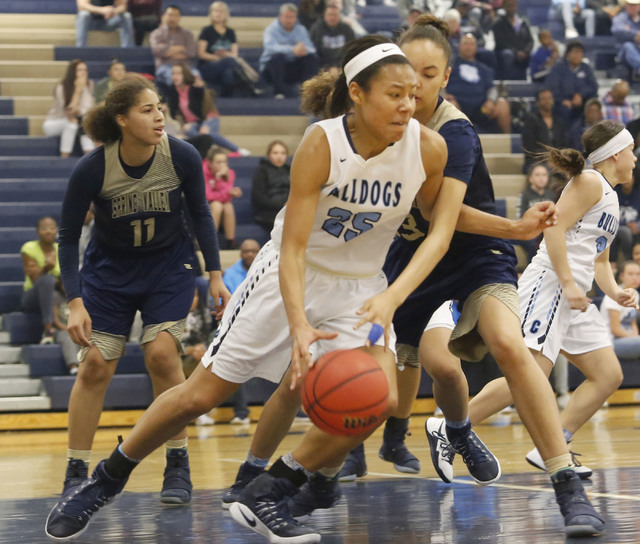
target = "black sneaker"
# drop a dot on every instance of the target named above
(482, 465)
(355, 465)
(394, 449)
(580, 517)
(442, 453)
(69, 517)
(262, 507)
(176, 488)
(77, 472)
(246, 474)
(318, 493)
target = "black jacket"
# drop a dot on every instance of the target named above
(196, 99)
(269, 192)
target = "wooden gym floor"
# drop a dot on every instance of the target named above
(384, 507)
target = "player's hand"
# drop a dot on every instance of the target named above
(378, 310)
(627, 298)
(576, 297)
(303, 335)
(537, 218)
(219, 293)
(79, 323)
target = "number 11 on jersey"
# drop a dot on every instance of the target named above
(137, 225)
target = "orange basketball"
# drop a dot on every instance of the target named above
(346, 392)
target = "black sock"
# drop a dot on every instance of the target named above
(118, 465)
(280, 470)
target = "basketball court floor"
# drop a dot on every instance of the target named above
(385, 507)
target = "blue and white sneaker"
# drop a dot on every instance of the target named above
(580, 517)
(442, 453)
(482, 465)
(69, 517)
(262, 507)
(319, 493)
(246, 474)
(77, 472)
(176, 488)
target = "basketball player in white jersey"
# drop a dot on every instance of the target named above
(314, 286)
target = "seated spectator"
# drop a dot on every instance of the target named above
(625, 27)
(171, 44)
(329, 35)
(73, 97)
(572, 14)
(615, 105)
(310, 12)
(146, 15)
(536, 190)
(572, 82)
(220, 65)
(471, 86)
(592, 114)
(635, 253)
(106, 15)
(541, 129)
(350, 16)
(115, 74)
(288, 55)
(42, 272)
(621, 320)
(191, 104)
(270, 185)
(605, 11)
(514, 43)
(409, 20)
(453, 19)
(544, 57)
(629, 227)
(61, 336)
(220, 191)
(474, 20)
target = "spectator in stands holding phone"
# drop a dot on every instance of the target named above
(73, 97)
(105, 15)
(42, 272)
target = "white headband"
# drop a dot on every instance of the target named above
(369, 57)
(620, 141)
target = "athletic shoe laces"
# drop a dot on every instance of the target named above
(85, 501)
(472, 450)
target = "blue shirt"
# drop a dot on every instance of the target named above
(277, 40)
(470, 83)
(234, 276)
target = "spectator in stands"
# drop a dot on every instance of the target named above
(310, 12)
(615, 105)
(572, 13)
(541, 129)
(536, 190)
(288, 55)
(592, 114)
(350, 16)
(73, 97)
(605, 11)
(220, 191)
(42, 272)
(233, 277)
(171, 44)
(329, 35)
(146, 15)
(572, 82)
(629, 227)
(220, 65)
(635, 253)
(192, 104)
(453, 19)
(473, 20)
(415, 10)
(621, 320)
(115, 74)
(106, 15)
(544, 57)
(471, 85)
(270, 185)
(625, 27)
(514, 43)
(60, 335)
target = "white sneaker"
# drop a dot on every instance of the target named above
(571, 34)
(442, 453)
(240, 420)
(535, 459)
(563, 400)
(438, 412)
(244, 152)
(205, 419)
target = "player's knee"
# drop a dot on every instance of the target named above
(162, 364)
(444, 370)
(95, 372)
(508, 350)
(611, 380)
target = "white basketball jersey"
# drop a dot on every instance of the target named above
(362, 203)
(589, 237)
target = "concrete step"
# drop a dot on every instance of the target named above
(25, 404)
(9, 354)
(15, 86)
(19, 370)
(504, 163)
(4, 335)
(20, 387)
(508, 184)
(32, 69)
(26, 52)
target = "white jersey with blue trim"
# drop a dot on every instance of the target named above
(589, 237)
(363, 202)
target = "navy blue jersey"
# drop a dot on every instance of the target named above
(138, 210)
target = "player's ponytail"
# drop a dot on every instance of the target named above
(317, 94)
